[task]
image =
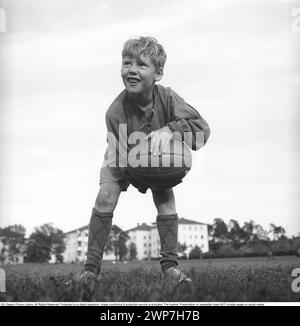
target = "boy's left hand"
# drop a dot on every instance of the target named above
(160, 140)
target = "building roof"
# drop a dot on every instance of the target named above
(140, 227)
(183, 221)
(146, 227)
(115, 228)
(186, 221)
(78, 229)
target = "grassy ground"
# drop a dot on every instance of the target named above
(217, 280)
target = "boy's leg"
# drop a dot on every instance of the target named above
(167, 226)
(100, 224)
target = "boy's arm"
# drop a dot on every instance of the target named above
(188, 122)
(116, 153)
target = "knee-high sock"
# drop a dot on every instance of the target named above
(167, 226)
(99, 229)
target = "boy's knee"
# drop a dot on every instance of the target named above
(163, 195)
(107, 199)
(164, 201)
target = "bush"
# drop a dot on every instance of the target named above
(195, 253)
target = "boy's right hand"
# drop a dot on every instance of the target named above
(160, 140)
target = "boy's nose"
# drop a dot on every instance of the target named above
(133, 69)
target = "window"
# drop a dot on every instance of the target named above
(145, 252)
(79, 243)
(202, 237)
(145, 244)
(190, 227)
(196, 227)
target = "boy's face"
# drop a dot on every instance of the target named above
(139, 74)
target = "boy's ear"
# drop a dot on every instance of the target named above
(159, 74)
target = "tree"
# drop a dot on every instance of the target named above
(116, 242)
(195, 253)
(13, 238)
(277, 231)
(236, 233)
(220, 228)
(260, 233)
(112, 239)
(220, 231)
(120, 245)
(181, 248)
(282, 246)
(44, 241)
(210, 230)
(248, 229)
(132, 251)
(261, 247)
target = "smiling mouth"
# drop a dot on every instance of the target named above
(132, 80)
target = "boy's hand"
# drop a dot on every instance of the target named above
(160, 140)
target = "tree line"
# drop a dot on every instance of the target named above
(249, 239)
(47, 242)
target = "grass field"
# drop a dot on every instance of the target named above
(216, 280)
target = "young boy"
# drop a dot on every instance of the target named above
(158, 112)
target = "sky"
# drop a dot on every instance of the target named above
(236, 62)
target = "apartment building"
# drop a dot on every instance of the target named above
(145, 237)
(76, 246)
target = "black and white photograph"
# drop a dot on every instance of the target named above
(149, 154)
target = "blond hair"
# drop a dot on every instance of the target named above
(147, 46)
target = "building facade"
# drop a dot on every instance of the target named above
(146, 240)
(76, 246)
(141, 237)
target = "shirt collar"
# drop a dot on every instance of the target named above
(128, 104)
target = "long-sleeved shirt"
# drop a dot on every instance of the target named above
(124, 118)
